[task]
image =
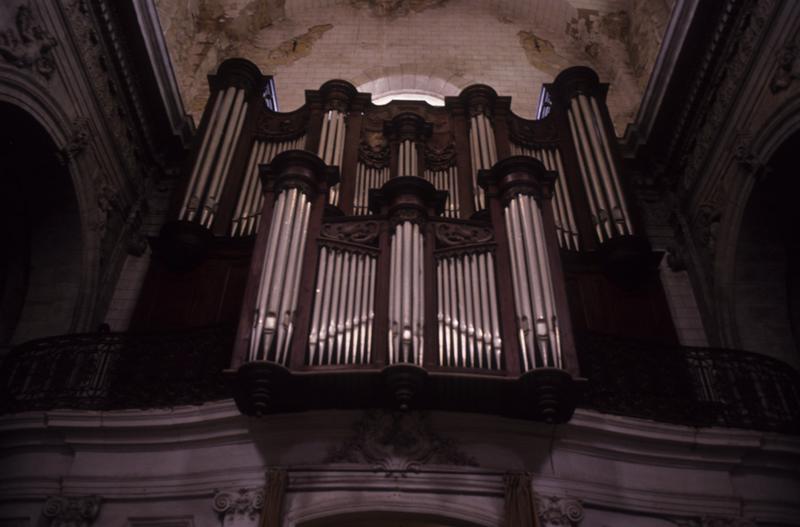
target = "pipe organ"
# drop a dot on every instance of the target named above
(405, 236)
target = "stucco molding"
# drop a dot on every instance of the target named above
(79, 511)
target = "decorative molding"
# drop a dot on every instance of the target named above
(72, 511)
(719, 98)
(365, 232)
(161, 522)
(558, 512)
(452, 234)
(708, 521)
(79, 136)
(234, 506)
(398, 442)
(437, 159)
(26, 44)
(374, 151)
(788, 67)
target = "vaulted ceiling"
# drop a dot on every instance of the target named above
(513, 45)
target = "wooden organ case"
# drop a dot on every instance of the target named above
(405, 255)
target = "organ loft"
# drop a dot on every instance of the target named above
(374, 309)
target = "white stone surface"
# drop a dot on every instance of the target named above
(170, 463)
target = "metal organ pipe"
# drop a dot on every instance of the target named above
(601, 228)
(248, 207)
(564, 214)
(483, 151)
(406, 316)
(214, 157)
(447, 180)
(595, 156)
(611, 164)
(468, 319)
(533, 284)
(367, 178)
(331, 145)
(276, 300)
(342, 317)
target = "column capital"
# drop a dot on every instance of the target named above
(77, 511)
(240, 73)
(574, 81)
(298, 169)
(407, 198)
(479, 99)
(407, 126)
(518, 175)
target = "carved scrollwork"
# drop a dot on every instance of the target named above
(440, 158)
(277, 127)
(453, 234)
(558, 512)
(242, 503)
(71, 512)
(373, 151)
(27, 44)
(365, 232)
(414, 215)
(532, 134)
(788, 67)
(398, 442)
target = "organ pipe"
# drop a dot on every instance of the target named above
(331, 145)
(595, 158)
(467, 315)
(406, 317)
(214, 158)
(276, 300)
(564, 213)
(248, 207)
(367, 178)
(483, 152)
(447, 180)
(534, 294)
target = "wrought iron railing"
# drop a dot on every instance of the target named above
(687, 385)
(105, 371)
(683, 385)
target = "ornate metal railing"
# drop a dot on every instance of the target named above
(682, 385)
(105, 371)
(692, 386)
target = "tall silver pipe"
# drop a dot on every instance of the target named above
(191, 200)
(596, 204)
(266, 275)
(290, 310)
(612, 165)
(573, 228)
(223, 166)
(327, 293)
(522, 288)
(585, 116)
(334, 307)
(313, 335)
(394, 297)
(371, 307)
(203, 152)
(490, 279)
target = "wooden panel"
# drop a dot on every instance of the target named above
(600, 305)
(210, 294)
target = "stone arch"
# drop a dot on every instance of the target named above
(42, 103)
(412, 78)
(312, 510)
(745, 175)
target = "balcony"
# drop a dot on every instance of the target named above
(682, 385)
